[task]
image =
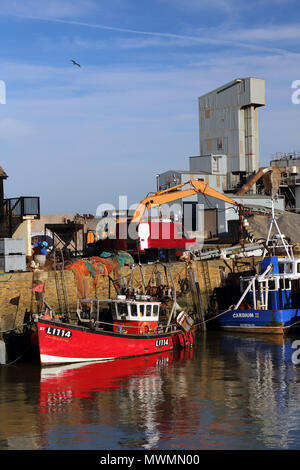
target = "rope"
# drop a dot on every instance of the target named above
(17, 359)
(228, 310)
(216, 316)
(13, 329)
(290, 326)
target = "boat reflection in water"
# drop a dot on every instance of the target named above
(133, 391)
(82, 379)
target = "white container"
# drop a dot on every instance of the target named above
(10, 263)
(12, 246)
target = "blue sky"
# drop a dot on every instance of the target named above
(79, 137)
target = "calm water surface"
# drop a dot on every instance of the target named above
(230, 392)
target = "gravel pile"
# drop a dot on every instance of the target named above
(288, 222)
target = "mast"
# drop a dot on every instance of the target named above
(288, 248)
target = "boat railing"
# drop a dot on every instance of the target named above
(97, 324)
(279, 249)
(262, 279)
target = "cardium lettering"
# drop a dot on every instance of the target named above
(243, 315)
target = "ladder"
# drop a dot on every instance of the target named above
(61, 290)
(211, 299)
(205, 273)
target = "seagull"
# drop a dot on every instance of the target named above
(75, 63)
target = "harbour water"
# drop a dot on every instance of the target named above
(230, 392)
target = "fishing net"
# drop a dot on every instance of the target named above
(107, 264)
(124, 259)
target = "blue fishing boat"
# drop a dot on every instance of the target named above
(270, 299)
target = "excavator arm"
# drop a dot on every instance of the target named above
(172, 194)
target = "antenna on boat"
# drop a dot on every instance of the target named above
(274, 222)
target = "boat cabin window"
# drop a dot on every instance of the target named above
(133, 308)
(288, 267)
(272, 285)
(284, 284)
(142, 310)
(148, 310)
(123, 311)
(281, 268)
(298, 267)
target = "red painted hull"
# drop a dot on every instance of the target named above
(61, 343)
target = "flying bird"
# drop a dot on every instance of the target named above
(75, 63)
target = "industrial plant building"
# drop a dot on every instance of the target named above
(229, 157)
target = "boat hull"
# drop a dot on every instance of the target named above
(261, 321)
(61, 343)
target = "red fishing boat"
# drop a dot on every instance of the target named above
(131, 325)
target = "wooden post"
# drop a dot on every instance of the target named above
(196, 296)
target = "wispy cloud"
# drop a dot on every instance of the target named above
(196, 5)
(67, 12)
(205, 39)
(77, 42)
(128, 43)
(269, 33)
(47, 9)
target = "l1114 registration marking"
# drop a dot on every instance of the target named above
(58, 332)
(161, 342)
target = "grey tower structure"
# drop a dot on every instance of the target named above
(228, 124)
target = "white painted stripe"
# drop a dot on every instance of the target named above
(46, 359)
